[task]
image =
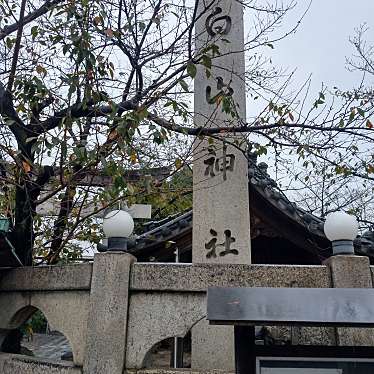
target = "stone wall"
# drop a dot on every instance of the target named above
(62, 293)
(17, 364)
(115, 310)
(177, 301)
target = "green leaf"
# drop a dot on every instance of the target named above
(191, 70)
(34, 32)
(184, 85)
(9, 42)
(178, 163)
(156, 20)
(143, 113)
(65, 48)
(119, 182)
(361, 112)
(207, 61)
(215, 49)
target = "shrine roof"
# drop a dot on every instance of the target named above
(270, 205)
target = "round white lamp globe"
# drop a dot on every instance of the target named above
(118, 224)
(340, 226)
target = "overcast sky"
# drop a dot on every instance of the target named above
(321, 43)
(320, 47)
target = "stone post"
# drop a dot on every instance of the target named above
(351, 272)
(107, 320)
(221, 231)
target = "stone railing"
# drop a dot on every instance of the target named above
(113, 311)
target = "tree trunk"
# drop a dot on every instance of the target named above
(61, 223)
(22, 236)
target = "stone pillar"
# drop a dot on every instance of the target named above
(351, 272)
(221, 231)
(107, 320)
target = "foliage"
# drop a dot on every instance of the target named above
(94, 89)
(334, 169)
(173, 196)
(37, 323)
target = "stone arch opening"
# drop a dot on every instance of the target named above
(150, 324)
(30, 334)
(172, 352)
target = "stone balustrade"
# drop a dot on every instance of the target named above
(114, 310)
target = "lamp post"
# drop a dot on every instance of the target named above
(118, 226)
(341, 229)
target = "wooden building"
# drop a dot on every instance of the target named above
(281, 232)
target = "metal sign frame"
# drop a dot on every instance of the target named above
(246, 307)
(311, 359)
(339, 307)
